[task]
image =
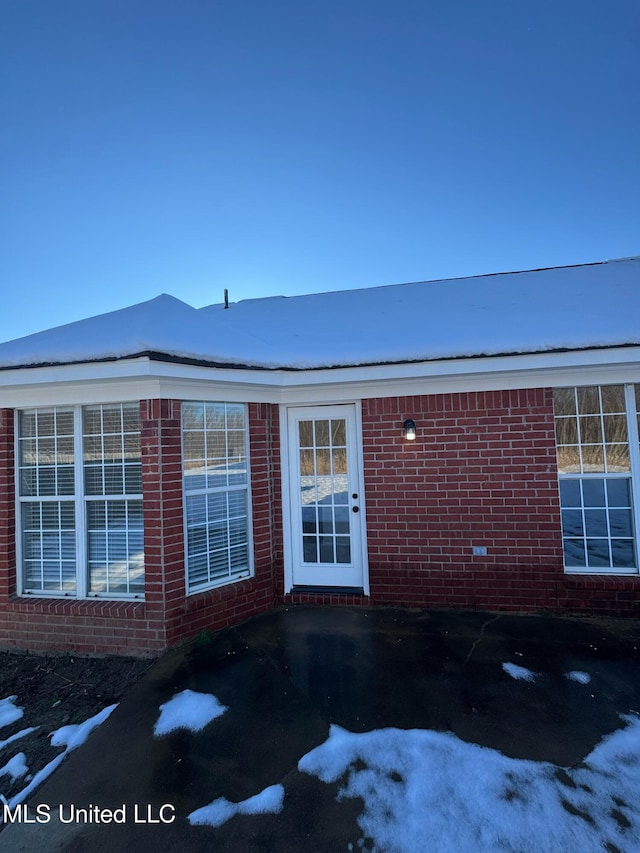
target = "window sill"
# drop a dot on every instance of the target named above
(221, 584)
(53, 596)
(227, 591)
(602, 573)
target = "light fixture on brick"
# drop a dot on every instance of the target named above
(410, 429)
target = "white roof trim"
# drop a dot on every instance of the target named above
(142, 378)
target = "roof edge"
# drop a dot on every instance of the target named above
(166, 358)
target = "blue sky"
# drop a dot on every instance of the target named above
(295, 146)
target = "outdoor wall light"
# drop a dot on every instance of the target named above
(410, 430)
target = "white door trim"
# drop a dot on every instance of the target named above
(290, 529)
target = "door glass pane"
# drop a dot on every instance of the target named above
(310, 549)
(340, 460)
(307, 466)
(322, 433)
(341, 491)
(323, 491)
(342, 519)
(325, 519)
(327, 551)
(343, 549)
(339, 432)
(323, 461)
(308, 519)
(305, 432)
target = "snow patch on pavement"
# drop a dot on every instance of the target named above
(426, 790)
(268, 801)
(580, 677)
(188, 710)
(520, 673)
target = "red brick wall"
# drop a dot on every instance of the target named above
(482, 471)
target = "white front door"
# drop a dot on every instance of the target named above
(325, 500)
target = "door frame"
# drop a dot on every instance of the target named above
(288, 528)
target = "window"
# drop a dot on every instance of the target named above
(80, 501)
(216, 493)
(599, 467)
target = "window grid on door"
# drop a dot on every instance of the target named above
(324, 497)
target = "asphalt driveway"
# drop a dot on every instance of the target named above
(287, 676)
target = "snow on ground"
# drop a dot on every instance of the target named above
(9, 711)
(73, 736)
(188, 710)
(15, 767)
(268, 801)
(70, 737)
(580, 677)
(520, 673)
(17, 736)
(426, 790)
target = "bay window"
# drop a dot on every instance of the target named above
(80, 501)
(216, 493)
(599, 475)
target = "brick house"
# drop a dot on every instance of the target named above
(470, 443)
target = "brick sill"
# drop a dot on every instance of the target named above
(76, 606)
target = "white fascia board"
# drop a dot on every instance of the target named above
(129, 380)
(141, 378)
(544, 370)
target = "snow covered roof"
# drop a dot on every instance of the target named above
(563, 308)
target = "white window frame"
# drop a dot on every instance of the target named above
(632, 476)
(79, 500)
(235, 577)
